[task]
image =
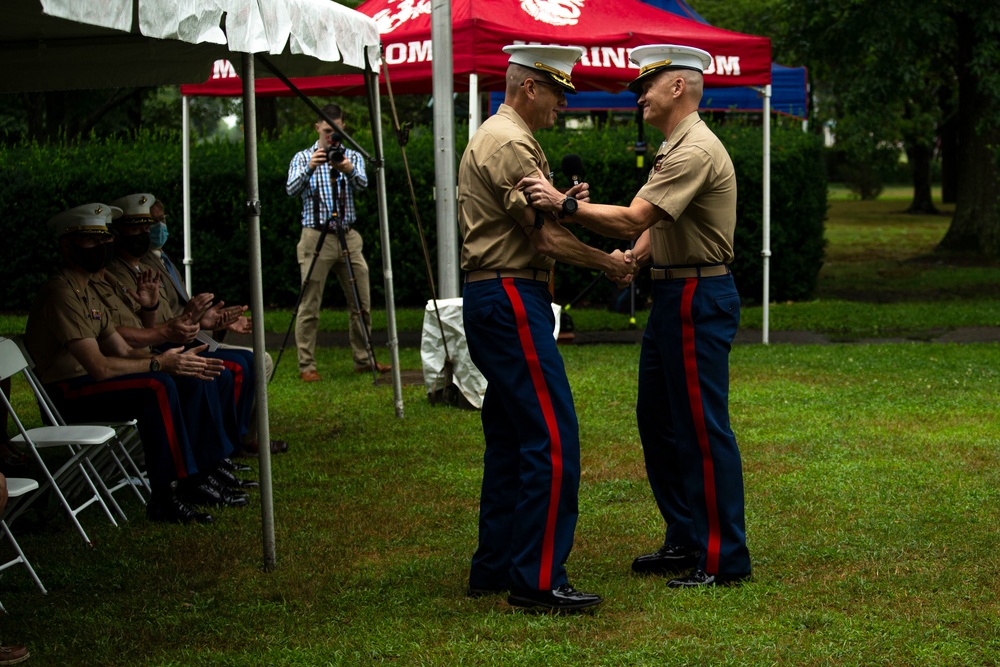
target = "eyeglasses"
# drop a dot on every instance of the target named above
(558, 90)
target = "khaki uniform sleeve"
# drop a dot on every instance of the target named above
(676, 180)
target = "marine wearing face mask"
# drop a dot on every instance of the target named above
(158, 235)
(91, 252)
(132, 232)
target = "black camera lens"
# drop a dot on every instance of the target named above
(335, 154)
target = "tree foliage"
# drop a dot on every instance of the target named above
(900, 74)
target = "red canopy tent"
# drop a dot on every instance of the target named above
(607, 29)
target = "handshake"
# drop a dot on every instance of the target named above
(624, 267)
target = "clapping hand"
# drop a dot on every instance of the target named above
(242, 325)
(189, 364)
(147, 290)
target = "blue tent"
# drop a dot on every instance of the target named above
(788, 86)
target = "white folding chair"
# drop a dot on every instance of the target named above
(79, 441)
(108, 466)
(17, 487)
(114, 467)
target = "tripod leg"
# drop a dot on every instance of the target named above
(298, 301)
(365, 332)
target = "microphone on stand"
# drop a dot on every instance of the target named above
(572, 166)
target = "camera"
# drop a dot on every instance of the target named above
(335, 153)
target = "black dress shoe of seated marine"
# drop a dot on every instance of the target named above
(225, 491)
(232, 481)
(233, 467)
(565, 598)
(174, 511)
(206, 494)
(668, 559)
(702, 579)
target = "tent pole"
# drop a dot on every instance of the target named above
(766, 219)
(186, 185)
(444, 149)
(257, 308)
(474, 113)
(375, 111)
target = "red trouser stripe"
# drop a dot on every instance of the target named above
(545, 402)
(237, 372)
(698, 417)
(161, 398)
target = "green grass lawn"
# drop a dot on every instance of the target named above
(872, 484)
(872, 477)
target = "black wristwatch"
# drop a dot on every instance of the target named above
(569, 207)
(154, 365)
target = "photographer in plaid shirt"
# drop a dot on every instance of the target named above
(326, 176)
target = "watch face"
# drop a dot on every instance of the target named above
(569, 206)
(154, 365)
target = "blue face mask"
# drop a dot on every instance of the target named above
(158, 234)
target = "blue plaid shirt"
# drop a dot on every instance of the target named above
(303, 181)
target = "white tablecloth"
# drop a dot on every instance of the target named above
(465, 376)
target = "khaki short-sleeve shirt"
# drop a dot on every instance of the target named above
(130, 277)
(170, 298)
(490, 208)
(694, 182)
(61, 313)
(122, 309)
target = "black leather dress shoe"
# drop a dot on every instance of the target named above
(668, 559)
(224, 491)
(232, 481)
(562, 599)
(174, 511)
(700, 578)
(234, 467)
(206, 494)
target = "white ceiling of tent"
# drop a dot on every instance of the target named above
(67, 44)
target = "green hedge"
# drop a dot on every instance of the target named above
(37, 182)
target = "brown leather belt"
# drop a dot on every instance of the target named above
(689, 272)
(541, 275)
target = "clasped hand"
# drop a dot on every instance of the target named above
(625, 272)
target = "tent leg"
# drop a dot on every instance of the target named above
(257, 307)
(374, 109)
(186, 185)
(766, 218)
(474, 112)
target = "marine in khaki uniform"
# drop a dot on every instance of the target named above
(212, 427)
(531, 467)
(683, 220)
(92, 373)
(175, 301)
(227, 413)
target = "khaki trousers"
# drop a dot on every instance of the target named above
(331, 257)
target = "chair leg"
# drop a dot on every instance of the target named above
(107, 492)
(21, 558)
(50, 483)
(125, 445)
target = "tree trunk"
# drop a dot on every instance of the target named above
(975, 226)
(919, 156)
(948, 133)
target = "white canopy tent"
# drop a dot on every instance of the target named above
(74, 44)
